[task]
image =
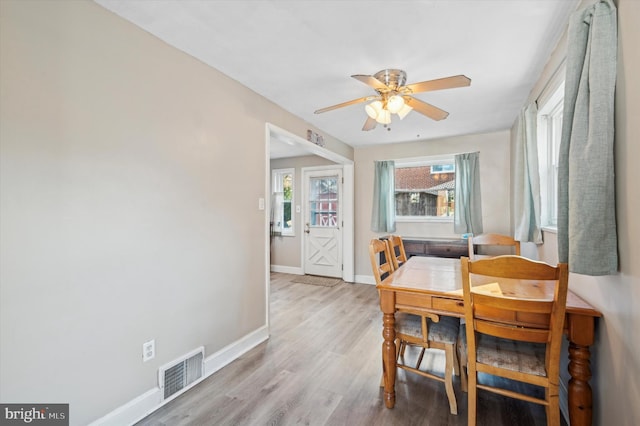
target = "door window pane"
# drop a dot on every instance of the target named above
(323, 201)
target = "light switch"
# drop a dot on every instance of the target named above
(261, 203)
(297, 209)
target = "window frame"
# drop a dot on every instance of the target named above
(431, 160)
(549, 131)
(277, 176)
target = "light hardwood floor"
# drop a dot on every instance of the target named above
(322, 366)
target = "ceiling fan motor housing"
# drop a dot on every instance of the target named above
(392, 78)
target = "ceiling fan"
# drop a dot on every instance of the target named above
(394, 97)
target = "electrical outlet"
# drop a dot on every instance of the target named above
(148, 350)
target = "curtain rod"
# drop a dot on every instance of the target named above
(551, 79)
(427, 158)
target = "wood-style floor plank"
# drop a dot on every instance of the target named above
(322, 366)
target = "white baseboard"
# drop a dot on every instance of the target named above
(145, 404)
(235, 350)
(300, 271)
(287, 269)
(365, 279)
(134, 410)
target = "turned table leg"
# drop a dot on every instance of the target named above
(387, 304)
(581, 336)
(580, 396)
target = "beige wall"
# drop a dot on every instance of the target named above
(494, 176)
(285, 250)
(615, 356)
(113, 146)
(130, 179)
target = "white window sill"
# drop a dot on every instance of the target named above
(550, 229)
(422, 219)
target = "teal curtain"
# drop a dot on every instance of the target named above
(526, 198)
(587, 238)
(467, 216)
(383, 217)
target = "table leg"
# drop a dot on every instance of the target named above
(580, 395)
(389, 359)
(581, 336)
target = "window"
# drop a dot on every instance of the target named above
(281, 212)
(425, 189)
(549, 134)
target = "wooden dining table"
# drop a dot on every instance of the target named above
(434, 285)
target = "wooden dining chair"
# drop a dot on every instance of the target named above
(493, 240)
(503, 334)
(420, 329)
(396, 249)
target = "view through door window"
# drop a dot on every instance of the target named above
(323, 201)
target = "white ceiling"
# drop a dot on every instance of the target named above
(301, 54)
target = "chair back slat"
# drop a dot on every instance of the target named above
(492, 240)
(396, 249)
(377, 247)
(515, 267)
(513, 304)
(523, 334)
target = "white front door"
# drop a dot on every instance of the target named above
(323, 222)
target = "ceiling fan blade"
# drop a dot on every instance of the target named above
(344, 104)
(429, 110)
(370, 80)
(369, 124)
(439, 84)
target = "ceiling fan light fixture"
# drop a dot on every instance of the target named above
(384, 117)
(395, 104)
(373, 109)
(406, 109)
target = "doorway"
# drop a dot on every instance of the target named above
(275, 133)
